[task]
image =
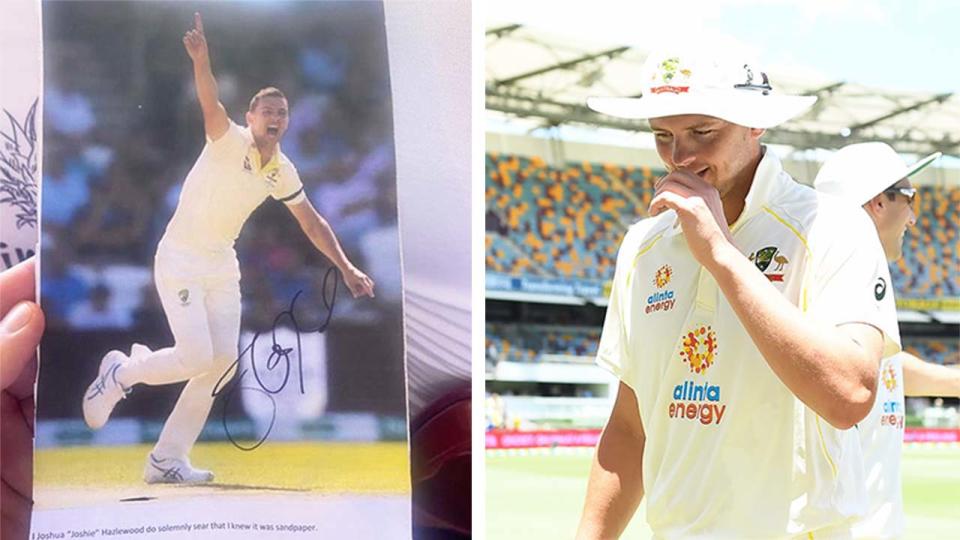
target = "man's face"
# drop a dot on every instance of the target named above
(719, 152)
(892, 218)
(268, 120)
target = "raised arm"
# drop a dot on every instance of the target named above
(922, 378)
(215, 120)
(615, 487)
(321, 235)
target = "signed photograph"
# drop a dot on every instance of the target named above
(220, 274)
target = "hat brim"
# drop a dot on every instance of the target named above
(744, 108)
(922, 164)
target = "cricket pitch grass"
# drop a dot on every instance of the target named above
(80, 476)
(541, 496)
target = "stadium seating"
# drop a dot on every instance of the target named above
(930, 267)
(567, 222)
(529, 343)
(939, 351)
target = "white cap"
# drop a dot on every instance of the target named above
(861, 171)
(700, 83)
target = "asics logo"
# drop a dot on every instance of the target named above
(171, 474)
(100, 387)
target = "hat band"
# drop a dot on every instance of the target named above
(670, 89)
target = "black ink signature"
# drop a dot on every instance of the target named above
(279, 358)
(18, 167)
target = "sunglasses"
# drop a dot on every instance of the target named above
(908, 192)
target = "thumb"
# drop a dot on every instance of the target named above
(20, 333)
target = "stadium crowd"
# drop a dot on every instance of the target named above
(567, 222)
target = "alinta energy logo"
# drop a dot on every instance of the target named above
(889, 378)
(661, 300)
(892, 409)
(698, 399)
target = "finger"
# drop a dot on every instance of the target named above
(17, 284)
(22, 387)
(686, 178)
(354, 288)
(669, 187)
(198, 22)
(660, 181)
(17, 451)
(20, 332)
(666, 201)
(16, 512)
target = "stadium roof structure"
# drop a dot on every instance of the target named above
(533, 74)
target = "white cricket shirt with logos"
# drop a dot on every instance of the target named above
(225, 186)
(730, 451)
(881, 436)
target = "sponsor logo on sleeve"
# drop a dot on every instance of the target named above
(247, 166)
(184, 295)
(662, 299)
(769, 256)
(892, 414)
(697, 399)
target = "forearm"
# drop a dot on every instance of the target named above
(615, 487)
(921, 378)
(823, 366)
(322, 237)
(207, 90)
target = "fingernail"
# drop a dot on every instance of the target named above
(17, 318)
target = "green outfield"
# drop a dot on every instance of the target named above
(540, 496)
(66, 477)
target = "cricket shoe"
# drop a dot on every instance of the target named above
(173, 471)
(104, 392)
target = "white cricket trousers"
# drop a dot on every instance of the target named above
(200, 293)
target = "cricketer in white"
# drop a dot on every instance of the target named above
(196, 269)
(873, 176)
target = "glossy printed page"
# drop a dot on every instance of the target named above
(221, 274)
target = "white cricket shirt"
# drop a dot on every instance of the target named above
(881, 436)
(225, 185)
(730, 451)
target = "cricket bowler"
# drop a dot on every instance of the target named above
(196, 270)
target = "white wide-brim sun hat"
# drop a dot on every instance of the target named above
(859, 172)
(698, 83)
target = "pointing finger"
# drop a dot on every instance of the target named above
(198, 22)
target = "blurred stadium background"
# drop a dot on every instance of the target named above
(122, 129)
(562, 184)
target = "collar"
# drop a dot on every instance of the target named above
(272, 165)
(767, 182)
(254, 154)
